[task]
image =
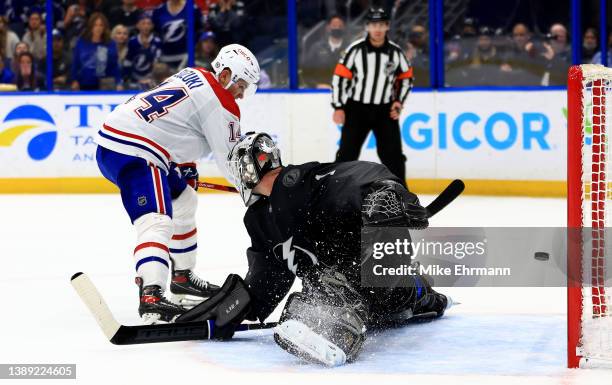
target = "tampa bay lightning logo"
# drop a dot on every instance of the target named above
(174, 31)
(287, 252)
(27, 119)
(143, 63)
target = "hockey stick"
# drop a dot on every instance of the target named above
(143, 334)
(219, 187)
(452, 191)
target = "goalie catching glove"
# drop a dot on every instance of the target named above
(388, 203)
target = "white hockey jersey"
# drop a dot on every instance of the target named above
(183, 119)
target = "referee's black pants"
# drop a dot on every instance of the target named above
(359, 120)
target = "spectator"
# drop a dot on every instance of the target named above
(206, 50)
(485, 61)
(61, 61)
(28, 79)
(59, 12)
(17, 12)
(321, 58)
(36, 35)
(101, 6)
(144, 50)
(6, 75)
(589, 45)
(525, 61)
(20, 48)
(417, 53)
(562, 58)
(74, 21)
(126, 14)
(94, 62)
(597, 57)
(227, 19)
(161, 72)
(120, 36)
(170, 20)
(8, 39)
(461, 46)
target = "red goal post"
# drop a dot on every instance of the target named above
(589, 210)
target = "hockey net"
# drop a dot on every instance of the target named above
(589, 216)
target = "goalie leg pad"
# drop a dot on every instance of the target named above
(227, 308)
(321, 330)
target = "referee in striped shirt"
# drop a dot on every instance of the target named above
(370, 84)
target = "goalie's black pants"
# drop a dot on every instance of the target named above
(360, 119)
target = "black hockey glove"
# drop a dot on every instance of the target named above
(388, 203)
(189, 172)
(228, 308)
(417, 214)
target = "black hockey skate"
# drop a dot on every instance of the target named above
(188, 289)
(154, 307)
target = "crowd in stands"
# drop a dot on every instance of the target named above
(477, 55)
(113, 44)
(133, 44)
(483, 56)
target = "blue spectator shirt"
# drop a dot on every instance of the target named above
(597, 58)
(139, 60)
(92, 61)
(172, 30)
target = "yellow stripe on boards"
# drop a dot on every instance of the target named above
(530, 188)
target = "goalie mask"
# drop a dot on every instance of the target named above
(250, 159)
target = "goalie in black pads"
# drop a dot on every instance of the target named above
(305, 221)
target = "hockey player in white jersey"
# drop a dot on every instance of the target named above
(148, 147)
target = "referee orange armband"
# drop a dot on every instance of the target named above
(342, 71)
(405, 75)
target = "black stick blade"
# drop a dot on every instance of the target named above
(148, 334)
(452, 191)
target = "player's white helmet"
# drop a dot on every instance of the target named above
(241, 62)
(250, 159)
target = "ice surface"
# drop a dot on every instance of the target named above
(495, 336)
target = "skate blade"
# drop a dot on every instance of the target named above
(151, 319)
(313, 344)
(155, 319)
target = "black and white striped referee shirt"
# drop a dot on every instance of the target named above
(371, 75)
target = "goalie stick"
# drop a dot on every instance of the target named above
(452, 191)
(143, 334)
